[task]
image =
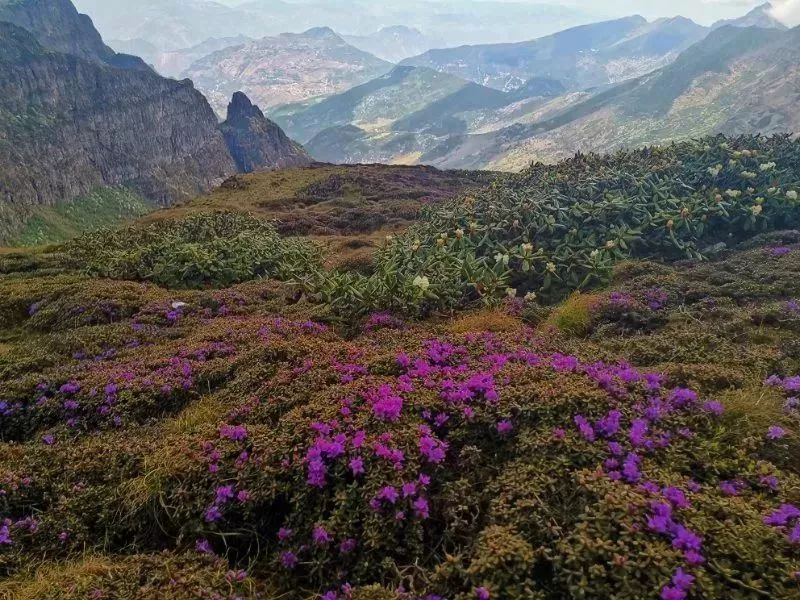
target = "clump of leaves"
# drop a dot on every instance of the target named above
(204, 250)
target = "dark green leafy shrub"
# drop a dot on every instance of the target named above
(203, 250)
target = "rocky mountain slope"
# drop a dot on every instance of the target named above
(57, 25)
(71, 124)
(284, 69)
(582, 57)
(737, 80)
(255, 142)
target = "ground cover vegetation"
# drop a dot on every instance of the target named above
(494, 409)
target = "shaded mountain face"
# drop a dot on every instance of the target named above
(284, 69)
(71, 125)
(578, 58)
(57, 25)
(394, 44)
(737, 80)
(257, 143)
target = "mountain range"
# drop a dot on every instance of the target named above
(283, 69)
(596, 87)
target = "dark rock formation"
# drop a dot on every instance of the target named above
(70, 124)
(257, 143)
(57, 25)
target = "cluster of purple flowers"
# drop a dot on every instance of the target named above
(787, 518)
(378, 321)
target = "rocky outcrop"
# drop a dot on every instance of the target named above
(70, 124)
(257, 143)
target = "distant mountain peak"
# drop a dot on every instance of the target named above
(321, 33)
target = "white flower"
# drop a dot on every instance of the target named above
(733, 193)
(748, 175)
(594, 253)
(714, 171)
(551, 267)
(459, 233)
(791, 195)
(768, 166)
(530, 297)
(502, 258)
(511, 292)
(422, 282)
(611, 244)
(177, 305)
(526, 248)
(756, 210)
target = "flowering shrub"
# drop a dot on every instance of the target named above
(559, 228)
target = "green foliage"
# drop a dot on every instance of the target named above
(104, 207)
(202, 250)
(561, 228)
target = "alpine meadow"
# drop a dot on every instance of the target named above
(415, 300)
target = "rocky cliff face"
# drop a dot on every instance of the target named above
(257, 143)
(69, 124)
(58, 26)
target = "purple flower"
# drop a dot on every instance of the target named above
(481, 594)
(609, 425)
(686, 539)
(213, 514)
(320, 536)
(504, 428)
(224, 493)
(794, 534)
(285, 534)
(630, 468)
(289, 560)
(421, 508)
(782, 516)
(638, 434)
(5, 536)
(585, 428)
(357, 466)
(48, 440)
(347, 546)
(236, 433)
(682, 397)
(388, 406)
(682, 580)
(388, 494)
(672, 593)
(676, 497)
(203, 546)
(776, 433)
(714, 407)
